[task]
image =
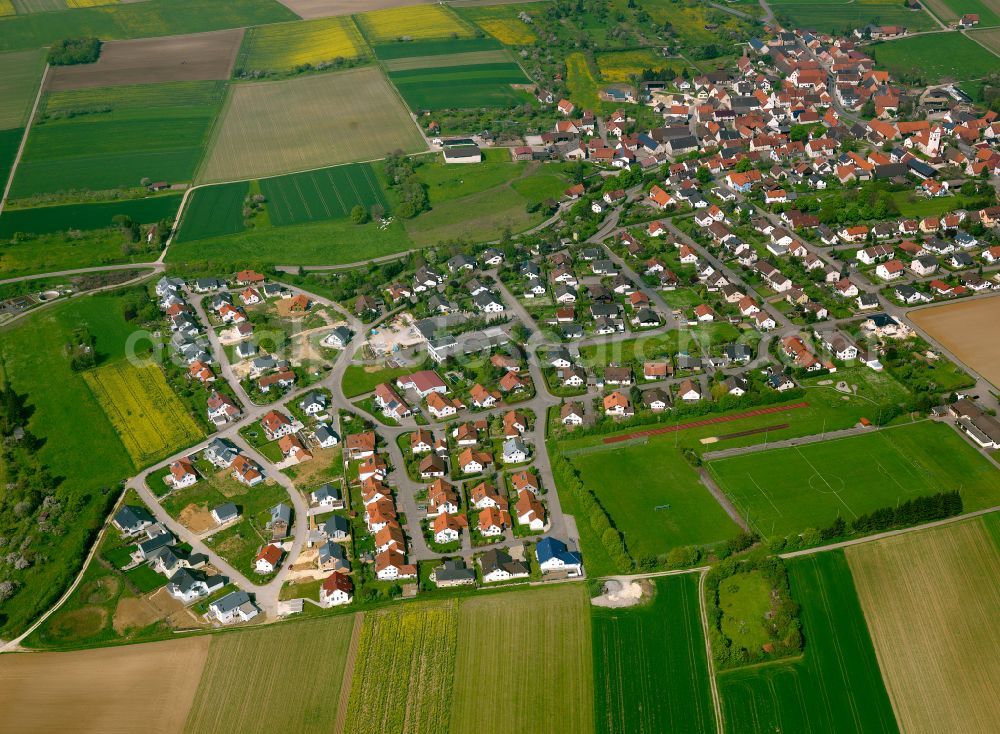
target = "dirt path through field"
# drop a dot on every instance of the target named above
(146, 687)
(345, 683)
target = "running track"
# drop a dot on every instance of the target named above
(706, 422)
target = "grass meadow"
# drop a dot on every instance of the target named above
(935, 57)
(271, 128)
(81, 447)
(932, 600)
(99, 139)
(531, 648)
(49, 219)
(843, 16)
(20, 74)
(650, 666)
(138, 20)
(835, 686)
(277, 677)
(282, 47)
(789, 489)
(655, 497)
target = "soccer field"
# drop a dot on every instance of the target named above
(787, 490)
(269, 128)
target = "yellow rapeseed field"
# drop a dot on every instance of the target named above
(284, 46)
(7, 8)
(150, 420)
(510, 31)
(403, 670)
(418, 21)
(89, 3)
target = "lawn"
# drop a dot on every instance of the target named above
(659, 503)
(99, 139)
(270, 128)
(283, 47)
(919, 207)
(650, 669)
(213, 211)
(840, 17)
(149, 418)
(80, 444)
(139, 20)
(416, 22)
(412, 649)
(835, 686)
(284, 676)
(932, 600)
(533, 636)
(50, 219)
(787, 490)
(359, 379)
(19, 76)
(934, 58)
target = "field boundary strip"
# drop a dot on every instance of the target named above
(706, 422)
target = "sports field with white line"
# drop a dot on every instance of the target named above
(790, 489)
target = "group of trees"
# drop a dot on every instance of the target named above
(71, 51)
(409, 190)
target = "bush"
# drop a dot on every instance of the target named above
(72, 51)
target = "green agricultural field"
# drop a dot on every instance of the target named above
(10, 140)
(20, 74)
(843, 16)
(659, 503)
(139, 20)
(329, 193)
(477, 85)
(415, 22)
(650, 668)
(99, 139)
(952, 10)
(279, 677)
(536, 635)
(321, 243)
(213, 211)
(835, 686)
(787, 490)
(438, 47)
(412, 645)
(931, 600)
(48, 219)
(89, 457)
(935, 57)
(271, 128)
(286, 46)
